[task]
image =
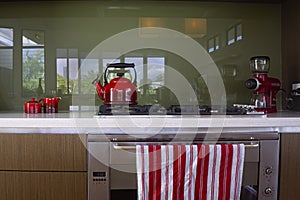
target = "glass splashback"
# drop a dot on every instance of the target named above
(226, 34)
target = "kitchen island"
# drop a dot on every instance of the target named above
(88, 122)
(49, 150)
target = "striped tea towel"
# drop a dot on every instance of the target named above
(190, 172)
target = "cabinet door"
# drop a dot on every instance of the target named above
(43, 152)
(290, 167)
(43, 185)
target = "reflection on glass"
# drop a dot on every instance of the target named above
(62, 74)
(33, 70)
(67, 65)
(73, 75)
(6, 62)
(211, 45)
(107, 61)
(217, 42)
(33, 61)
(230, 36)
(6, 58)
(88, 72)
(156, 73)
(33, 38)
(239, 35)
(195, 27)
(6, 37)
(225, 24)
(156, 70)
(139, 67)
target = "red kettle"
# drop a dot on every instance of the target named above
(120, 90)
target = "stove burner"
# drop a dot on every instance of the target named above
(172, 110)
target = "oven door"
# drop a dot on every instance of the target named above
(115, 175)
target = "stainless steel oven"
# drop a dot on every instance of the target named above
(112, 161)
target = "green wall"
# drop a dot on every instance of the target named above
(83, 25)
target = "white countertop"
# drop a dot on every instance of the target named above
(88, 122)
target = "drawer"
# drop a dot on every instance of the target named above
(43, 152)
(16, 185)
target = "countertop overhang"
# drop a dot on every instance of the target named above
(89, 123)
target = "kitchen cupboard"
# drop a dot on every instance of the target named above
(289, 167)
(43, 166)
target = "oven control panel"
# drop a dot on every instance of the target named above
(99, 177)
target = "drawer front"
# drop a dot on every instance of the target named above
(43, 185)
(43, 152)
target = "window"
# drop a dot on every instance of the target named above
(234, 34)
(231, 36)
(139, 67)
(33, 62)
(239, 35)
(213, 44)
(105, 62)
(156, 70)
(150, 70)
(6, 58)
(6, 37)
(67, 67)
(72, 79)
(88, 72)
(217, 42)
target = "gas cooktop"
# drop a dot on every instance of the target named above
(174, 110)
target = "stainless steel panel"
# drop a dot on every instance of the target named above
(269, 170)
(123, 153)
(123, 179)
(98, 172)
(260, 167)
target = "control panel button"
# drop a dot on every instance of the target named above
(268, 171)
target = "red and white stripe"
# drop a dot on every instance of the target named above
(190, 172)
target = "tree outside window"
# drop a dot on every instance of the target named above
(33, 62)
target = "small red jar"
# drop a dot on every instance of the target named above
(32, 106)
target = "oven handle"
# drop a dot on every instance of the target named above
(130, 147)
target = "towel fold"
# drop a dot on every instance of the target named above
(190, 172)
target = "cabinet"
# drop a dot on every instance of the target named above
(43, 167)
(290, 167)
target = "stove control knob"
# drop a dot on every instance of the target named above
(268, 171)
(268, 191)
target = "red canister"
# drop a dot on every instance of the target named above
(32, 106)
(51, 104)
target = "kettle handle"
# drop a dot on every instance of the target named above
(120, 65)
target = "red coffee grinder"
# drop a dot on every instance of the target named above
(264, 87)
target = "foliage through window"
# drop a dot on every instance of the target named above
(33, 62)
(67, 67)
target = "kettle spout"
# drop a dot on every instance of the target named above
(99, 87)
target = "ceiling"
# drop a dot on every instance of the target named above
(241, 1)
